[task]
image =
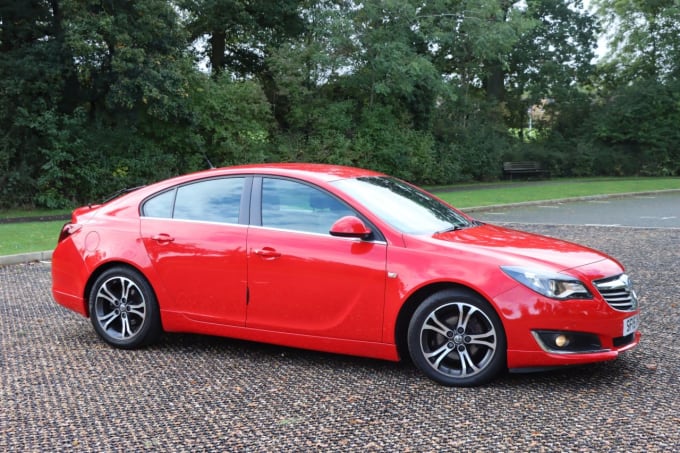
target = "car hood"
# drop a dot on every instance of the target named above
(511, 247)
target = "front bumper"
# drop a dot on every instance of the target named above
(530, 319)
(533, 359)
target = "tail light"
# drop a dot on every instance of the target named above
(67, 230)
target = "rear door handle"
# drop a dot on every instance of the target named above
(267, 252)
(163, 238)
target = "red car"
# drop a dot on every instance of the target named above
(342, 260)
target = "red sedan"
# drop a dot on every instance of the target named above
(342, 260)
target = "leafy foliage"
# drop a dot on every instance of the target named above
(95, 96)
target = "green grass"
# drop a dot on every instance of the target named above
(504, 193)
(38, 236)
(28, 237)
(14, 213)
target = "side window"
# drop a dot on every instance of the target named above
(211, 200)
(160, 205)
(291, 205)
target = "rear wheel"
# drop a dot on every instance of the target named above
(456, 338)
(123, 309)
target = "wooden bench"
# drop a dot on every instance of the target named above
(525, 169)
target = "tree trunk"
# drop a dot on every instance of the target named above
(217, 41)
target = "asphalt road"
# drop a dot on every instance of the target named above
(661, 210)
(62, 389)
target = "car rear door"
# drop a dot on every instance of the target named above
(195, 236)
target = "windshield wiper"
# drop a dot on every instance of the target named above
(472, 223)
(449, 229)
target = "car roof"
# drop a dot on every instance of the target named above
(317, 173)
(312, 172)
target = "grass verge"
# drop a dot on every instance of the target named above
(22, 213)
(505, 193)
(28, 237)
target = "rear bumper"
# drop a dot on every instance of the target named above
(68, 277)
(71, 302)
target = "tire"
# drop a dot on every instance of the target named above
(123, 309)
(456, 338)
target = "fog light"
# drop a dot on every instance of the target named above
(561, 341)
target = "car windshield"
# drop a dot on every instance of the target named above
(403, 206)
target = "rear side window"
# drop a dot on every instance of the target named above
(212, 200)
(160, 205)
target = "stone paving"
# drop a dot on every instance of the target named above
(61, 388)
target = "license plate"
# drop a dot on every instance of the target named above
(631, 324)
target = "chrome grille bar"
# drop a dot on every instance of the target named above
(618, 292)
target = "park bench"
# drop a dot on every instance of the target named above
(525, 169)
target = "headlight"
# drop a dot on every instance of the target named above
(550, 284)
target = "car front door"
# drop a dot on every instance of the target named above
(195, 236)
(303, 280)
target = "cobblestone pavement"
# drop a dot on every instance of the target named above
(63, 389)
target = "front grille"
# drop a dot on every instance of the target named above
(618, 292)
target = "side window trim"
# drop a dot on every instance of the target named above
(245, 206)
(175, 191)
(256, 202)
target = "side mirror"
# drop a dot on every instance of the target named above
(350, 227)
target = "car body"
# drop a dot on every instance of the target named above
(342, 260)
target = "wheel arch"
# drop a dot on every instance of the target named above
(412, 303)
(105, 267)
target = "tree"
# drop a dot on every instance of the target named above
(75, 72)
(644, 37)
(233, 120)
(551, 61)
(238, 38)
(31, 84)
(361, 88)
(237, 34)
(638, 106)
(96, 95)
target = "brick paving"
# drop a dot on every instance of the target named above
(61, 388)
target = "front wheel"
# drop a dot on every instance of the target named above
(456, 338)
(123, 309)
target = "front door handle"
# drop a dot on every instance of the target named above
(267, 253)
